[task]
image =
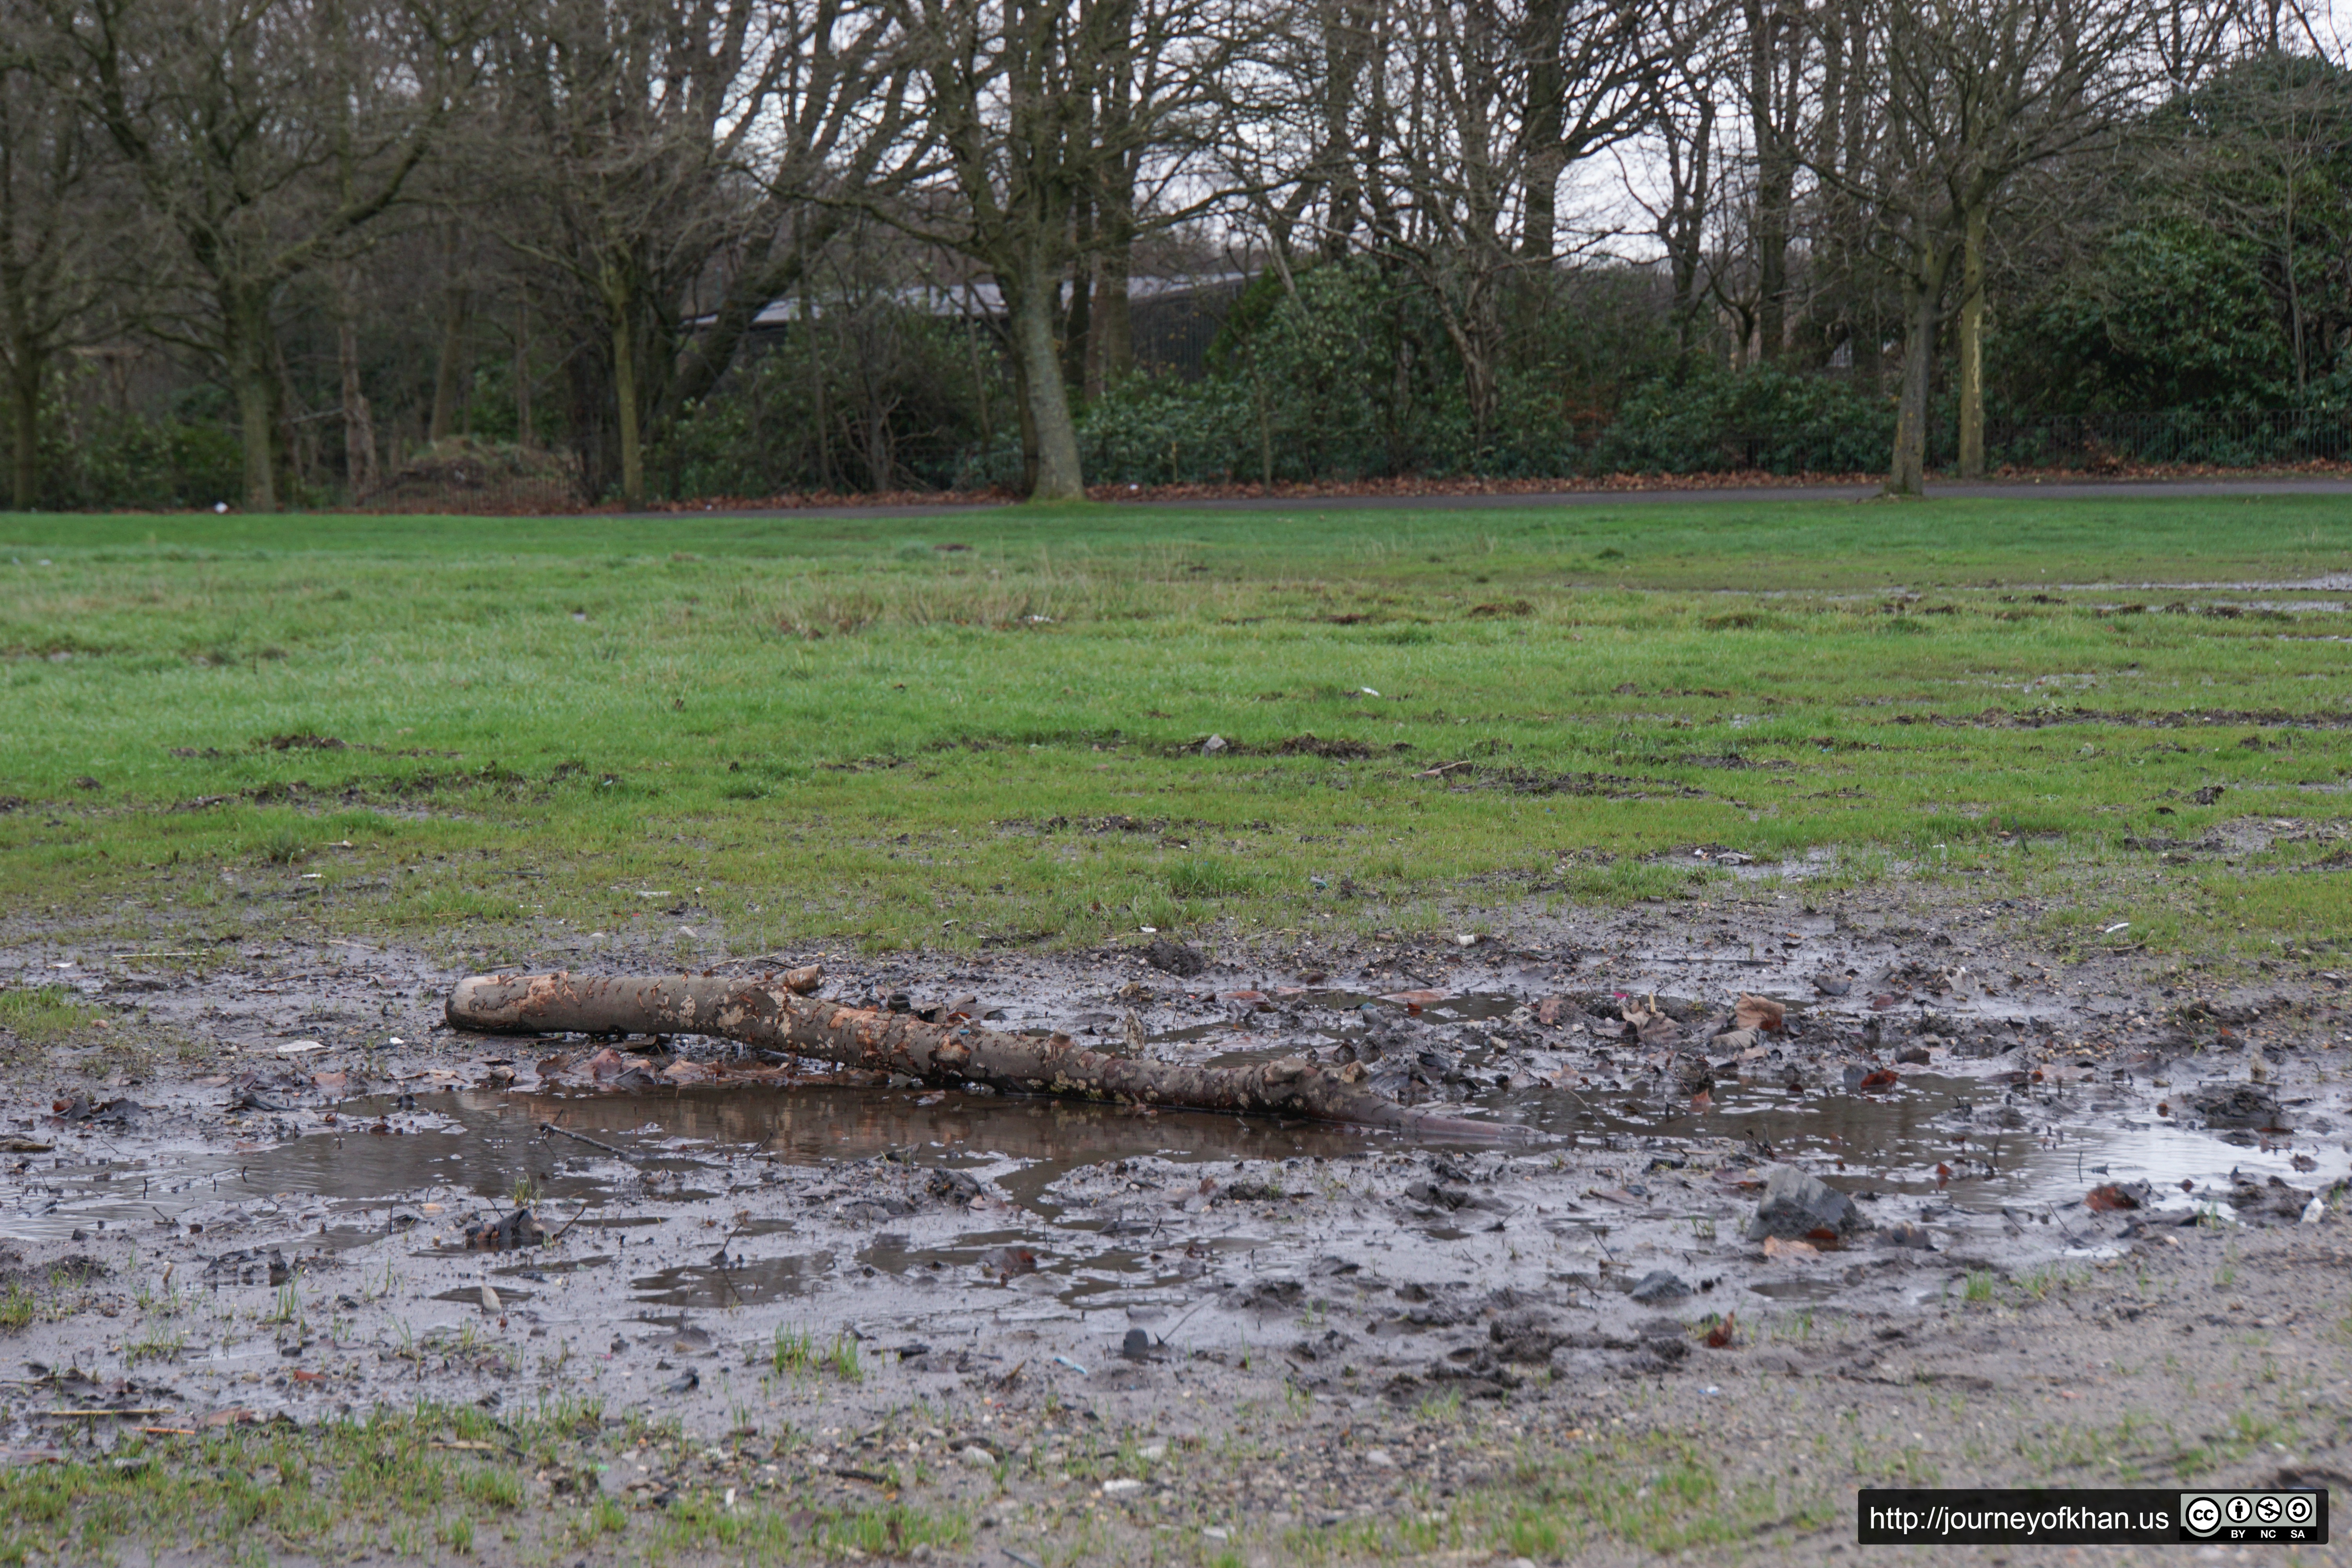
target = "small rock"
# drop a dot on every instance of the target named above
(1213, 745)
(1378, 1460)
(1660, 1284)
(1800, 1207)
(2237, 1105)
(1175, 958)
(977, 1458)
(1123, 1486)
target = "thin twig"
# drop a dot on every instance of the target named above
(568, 1223)
(584, 1138)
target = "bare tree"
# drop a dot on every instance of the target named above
(1973, 93)
(263, 134)
(58, 213)
(1013, 95)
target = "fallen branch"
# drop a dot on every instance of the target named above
(948, 1053)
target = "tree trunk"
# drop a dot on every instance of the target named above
(1776, 172)
(24, 429)
(525, 435)
(1110, 339)
(1922, 311)
(253, 377)
(1058, 476)
(1971, 347)
(773, 1018)
(619, 307)
(1077, 319)
(449, 372)
(1544, 118)
(359, 423)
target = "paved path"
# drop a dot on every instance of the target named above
(2056, 490)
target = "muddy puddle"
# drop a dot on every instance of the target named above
(1962, 1143)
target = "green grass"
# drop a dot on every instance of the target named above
(39, 1015)
(1659, 1493)
(494, 733)
(396, 1484)
(797, 1353)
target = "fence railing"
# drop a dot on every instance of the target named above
(2237, 439)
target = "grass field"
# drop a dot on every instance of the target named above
(990, 727)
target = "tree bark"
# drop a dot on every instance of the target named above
(1776, 173)
(1110, 335)
(773, 1017)
(449, 371)
(619, 302)
(245, 325)
(1923, 297)
(24, 429)
(1058, 476)
(1971, 346)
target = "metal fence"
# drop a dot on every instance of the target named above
(2094, 443)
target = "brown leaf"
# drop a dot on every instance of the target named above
(1548, 1010)
(1885, 1000)
(1885, 1077)
(2108, 1198)
(1759, 1013)
(1723, 1333)
(1943, 1174)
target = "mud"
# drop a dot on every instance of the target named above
(293, 1190)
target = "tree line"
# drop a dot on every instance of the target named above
(639, 231)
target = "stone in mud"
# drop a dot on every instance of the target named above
(1985, 1045)
(1526, 1335)
(953, 1187)
(1800, 1208)
(1660, 1284)
(2237, 1105)
(2274, 1199)
(1175, 958)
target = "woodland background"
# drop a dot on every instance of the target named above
(408, 253)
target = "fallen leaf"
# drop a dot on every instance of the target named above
(2107, 1199)
(1760, 1013)
(1724, 1333)
(1885, 1077)
(1943, 1174)
(1885, 1000)
(1548, 1010)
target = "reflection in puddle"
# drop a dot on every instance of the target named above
(737, 1284)
(1797, 1290)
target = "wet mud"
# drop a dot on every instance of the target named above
(299, 1195)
